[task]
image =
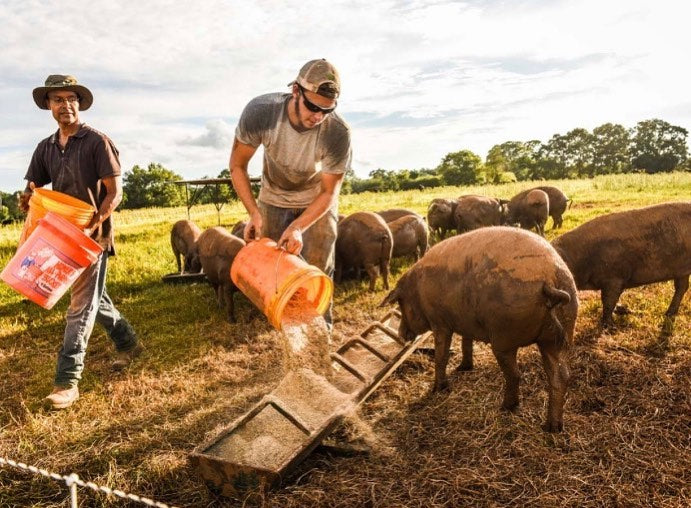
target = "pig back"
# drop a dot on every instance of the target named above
(474, 212)
(409, 234)
(528, 205)
(537, 202)
(395, 213)
(363, 238)
(482, 289)
(634, 247)
(217, 250)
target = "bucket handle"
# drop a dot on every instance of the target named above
(93, 202)
(278, 262)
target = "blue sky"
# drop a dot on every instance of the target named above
(420, 78)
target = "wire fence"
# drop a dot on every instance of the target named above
(73, 481)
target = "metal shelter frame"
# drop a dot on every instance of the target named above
(198, 186)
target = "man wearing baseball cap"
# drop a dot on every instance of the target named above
(306, 154)
(81, 162)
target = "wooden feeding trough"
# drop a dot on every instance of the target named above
(260, 448)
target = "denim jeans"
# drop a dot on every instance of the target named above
(90, 303)
(319, 240)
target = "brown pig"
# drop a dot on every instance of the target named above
(530, 210)
(364, 240)
(557, 202)
(217, 250)
(474, 286)
(474, 212)
(628, 249)
(410, 236)
(183, 240)
(440, 216)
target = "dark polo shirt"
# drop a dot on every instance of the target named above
(89, 156)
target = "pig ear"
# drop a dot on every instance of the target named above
(391, 298)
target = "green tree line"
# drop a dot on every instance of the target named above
(652, 146)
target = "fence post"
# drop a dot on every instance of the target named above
(71, 482)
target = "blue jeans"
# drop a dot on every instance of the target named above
(319, 240)
(90, 303)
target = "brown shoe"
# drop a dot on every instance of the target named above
(62, 397)
(124, 358)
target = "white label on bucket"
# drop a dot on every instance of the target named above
(46, 270)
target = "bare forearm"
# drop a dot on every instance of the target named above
(111, 200)
(243, 188)
(109, 204)
(105, 210)
(315, 210)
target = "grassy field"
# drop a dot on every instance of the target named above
(627, 438)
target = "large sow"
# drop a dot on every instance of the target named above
(624, 250)
(474, 286)
(217, 250)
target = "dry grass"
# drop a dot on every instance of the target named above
(627, 438)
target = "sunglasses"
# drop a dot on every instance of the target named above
(311, 106)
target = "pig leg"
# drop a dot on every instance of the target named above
(228, 300)
(338, 274)
(384, 267)
(557, 381)
(187, 265)
(442, 346)
(219, 295)
(681, 285)
(373, 272)
(467, 350)
(177, 259)
(512, 377)
(610, 296)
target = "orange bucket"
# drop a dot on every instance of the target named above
(270, 277)
(50, 260)
(43, 201)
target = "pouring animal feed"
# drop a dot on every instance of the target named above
(307, 335)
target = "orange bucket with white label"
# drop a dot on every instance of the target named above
(53, 256)
(270, 277)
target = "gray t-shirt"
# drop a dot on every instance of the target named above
(293, 161)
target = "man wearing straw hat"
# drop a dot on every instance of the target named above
(81, 162)
(306, 153)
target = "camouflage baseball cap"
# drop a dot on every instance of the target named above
(56, 82)
(316, 73)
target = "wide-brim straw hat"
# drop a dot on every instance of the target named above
(57, 82)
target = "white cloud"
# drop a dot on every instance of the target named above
(421, 78)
